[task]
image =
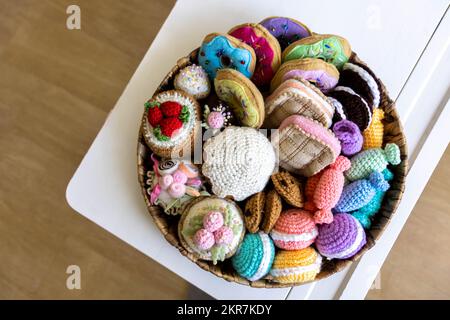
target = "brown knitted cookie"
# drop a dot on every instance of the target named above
(272, 210)
(253, 212)
(288, 188)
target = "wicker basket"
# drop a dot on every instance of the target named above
(168, 225)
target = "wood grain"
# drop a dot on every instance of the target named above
(56, 88)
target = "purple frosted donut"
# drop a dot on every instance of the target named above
(286, 30)
(342, 238)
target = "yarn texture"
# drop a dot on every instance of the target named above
(373, 135)
(349, 135)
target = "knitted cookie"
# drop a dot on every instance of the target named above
(286, 30)
(341, 239)
(267, 50)
(320, 73)
(329, 188)
(254, 257)
(288, 188)
(354, 107)
(365, 214)
(173, 183)
(296, 266)
(297, 97)
(371, 160)
(170, 123)
(253, 213)
(305, 146)
(373, 135)
(211, 228)
(219, 51)
(331, 48)
(272, 210)
(294, 229)
(193, 80)
(357, 194)
(238, 162)
(349, 135)
(362, 82)
(242, 96)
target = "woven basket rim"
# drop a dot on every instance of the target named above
(393, 130)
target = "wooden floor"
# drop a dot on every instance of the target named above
(56, 88)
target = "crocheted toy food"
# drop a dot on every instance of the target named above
(253, 213)
(366, 213)
(254, 257)
(341, 239)
(170, 123)
(193, 80)
(373, 135)
(329, 188)
(238, 162)
(219, 51)
(266, 47)
(296, 266)
(349, 135)
(371, 160)
(294, 229)
(351, 106)
(331, 48)
(211, 228)
(322, 74)
(310, 188)
(359, 193)
(305, 146)
(362, 82)
(272, 210)
(286, 30)
(173, 183)
(216, 115)
(297, 97)
(242, 96)
(288, 188)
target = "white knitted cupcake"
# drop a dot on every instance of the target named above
(238, 162)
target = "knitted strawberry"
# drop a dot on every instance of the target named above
(154, 116)
(171, 109)
(170, 125)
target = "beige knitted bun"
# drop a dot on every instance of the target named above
(238, 162)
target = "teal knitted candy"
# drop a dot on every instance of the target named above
(365, 213)
(359, 193)
(376, 159)
(254, 257)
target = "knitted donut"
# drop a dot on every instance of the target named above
(238, 162)
(254, 257)
(296, 266)
(267, 50)
(295, 229)
(342, 238)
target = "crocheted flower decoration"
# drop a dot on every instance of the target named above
(217, 117)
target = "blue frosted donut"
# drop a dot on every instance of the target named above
(224, 51)
(254, 256)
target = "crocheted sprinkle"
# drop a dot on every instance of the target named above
(294, 229)
(342, 238)
(213, 220)
(371, 160)
(203, 239)
(254, 257)
(349, 135)
(296, 266)
(223, 235)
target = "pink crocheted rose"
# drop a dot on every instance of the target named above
(177, 190)
(213, 220)
(224, 235)
(203, 239)
(194, 182)
(165, 181)
(179, 177)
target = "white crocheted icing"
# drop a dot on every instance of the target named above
(187, 127)
(267, 258)
(350, 90)
(238, 162)
(298, 270)
(306, 236)
(368, 78)
(338, 107)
